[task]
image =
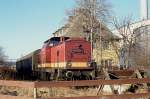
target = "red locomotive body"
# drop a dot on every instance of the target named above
(78, 53)
(71, 53)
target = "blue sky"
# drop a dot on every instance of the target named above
(25, 24)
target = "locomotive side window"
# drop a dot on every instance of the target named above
(53, 41)
(57, 53)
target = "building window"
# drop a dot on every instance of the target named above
(105, 45)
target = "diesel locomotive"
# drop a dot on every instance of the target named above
(60, 58)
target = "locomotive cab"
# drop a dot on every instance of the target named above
(45, 54)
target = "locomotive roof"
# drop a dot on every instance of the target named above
(29, 55)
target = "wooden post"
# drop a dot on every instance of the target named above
(140, 76)
(35, 93)
(50, 92)
(100, 88)
(108, 78)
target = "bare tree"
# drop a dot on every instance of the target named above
(88, 17)
(88, 20)
(128, 37)
(100, 9)
(2, 56)
(88, 14)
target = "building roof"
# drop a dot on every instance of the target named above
(66, 30)
(134, 26)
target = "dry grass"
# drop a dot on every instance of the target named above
(48, 92)
(55, 92)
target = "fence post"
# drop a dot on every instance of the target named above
(50, 92)
(35, 93)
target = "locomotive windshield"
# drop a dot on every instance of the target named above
(54, 41)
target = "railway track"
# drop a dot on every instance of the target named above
(10, 73)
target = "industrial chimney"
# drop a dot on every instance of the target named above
(144, 9)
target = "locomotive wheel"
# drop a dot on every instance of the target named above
(69, 74)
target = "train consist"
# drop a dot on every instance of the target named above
(60, 58)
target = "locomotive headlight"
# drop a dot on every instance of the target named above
(69, 64)
(88, 64)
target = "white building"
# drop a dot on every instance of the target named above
(141, 50)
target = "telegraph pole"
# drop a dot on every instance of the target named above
(91, 27)
(100, 41)
(92, 18)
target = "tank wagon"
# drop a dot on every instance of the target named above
(60, 58)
